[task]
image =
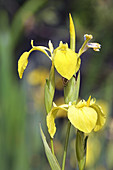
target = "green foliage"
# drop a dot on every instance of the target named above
(50, 90)
(13, 148)
(16, 146)
(51, 158)
(71, 90)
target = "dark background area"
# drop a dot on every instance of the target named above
(22, 101)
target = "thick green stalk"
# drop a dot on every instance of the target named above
(66, 145)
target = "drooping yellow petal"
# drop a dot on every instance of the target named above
(72, 33)
(101, 117)
(83, 118)
(65, 61)
(40, 48)
(22, 63)
(51, 118)
(51, 123)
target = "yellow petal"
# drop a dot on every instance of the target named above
(40, 48)
(78, 64)
(65, 61)
(84, 118)
(51, 123)
(51, 118)
(72, 33)
(101, 117)
(22, 63)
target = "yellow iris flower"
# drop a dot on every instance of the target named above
(66, 61)
(85, 116)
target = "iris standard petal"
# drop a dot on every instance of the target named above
(84, 118)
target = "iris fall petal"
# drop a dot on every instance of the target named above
(83, 118)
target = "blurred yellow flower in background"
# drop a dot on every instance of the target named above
(93, 151)
(36, 79)
(38, 76)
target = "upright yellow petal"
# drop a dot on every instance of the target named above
(83, 118)
(65, 61)
(72, 33)
(22, 63)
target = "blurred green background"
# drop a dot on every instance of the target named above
(22, 101)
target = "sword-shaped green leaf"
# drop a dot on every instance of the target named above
(51, 158)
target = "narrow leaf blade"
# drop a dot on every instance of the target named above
(51, 158)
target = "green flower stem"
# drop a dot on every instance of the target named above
(52, 146)
(66, 145)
